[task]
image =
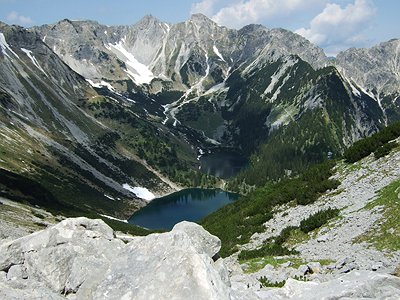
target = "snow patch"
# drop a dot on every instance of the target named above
(33, 59)
(139, 72)
(168, 28)
(140, 192)
(112, 218)
(130, 100)
(109, 197)
(216, 51)
(278, 74)
(4, 46)
(101, 84)
(216, 88)
(354, 90)
(201, 153)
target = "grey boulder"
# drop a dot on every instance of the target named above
(81, 259)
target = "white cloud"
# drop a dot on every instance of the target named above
(337, 28)
(205, 7)
(16, 18)
(244, 12)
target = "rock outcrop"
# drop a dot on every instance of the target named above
(355, 285)
(82, 259)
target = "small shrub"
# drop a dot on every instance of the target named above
(318, 219)
(266, 283)
(368, 145)
(300, 278)
(284, 235)
(271, 249)
(385, 149)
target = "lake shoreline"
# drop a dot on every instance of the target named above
(192, 204)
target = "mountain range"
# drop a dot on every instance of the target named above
(103, 118)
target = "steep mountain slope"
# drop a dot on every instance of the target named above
(253, 89)
(53, 144)
(181, 54)
(377, 72)
(270, 107)
(337, 114)
(353, 254)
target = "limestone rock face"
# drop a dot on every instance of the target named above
(201, 239)
(80, 258)
(354, 285)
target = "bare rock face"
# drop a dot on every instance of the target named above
(354, 285)
(376, 69)
(182, 53)
(80, 258)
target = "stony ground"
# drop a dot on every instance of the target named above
(345, 243)
(17, 220)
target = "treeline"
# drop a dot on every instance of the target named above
(236, 223)
(377, 143)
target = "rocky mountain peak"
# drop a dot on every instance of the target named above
(147, 20)
(202, 20)
(376, 70)
(252, 29)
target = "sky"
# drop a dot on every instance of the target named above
(334, 25)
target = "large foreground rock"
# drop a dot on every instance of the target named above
(81, 259)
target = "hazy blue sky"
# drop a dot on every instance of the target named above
(332, 24)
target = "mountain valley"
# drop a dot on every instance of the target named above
(96, 121)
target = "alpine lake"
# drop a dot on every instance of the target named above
(192, 204)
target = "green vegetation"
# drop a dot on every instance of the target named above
(149, 141)
(255, 264)
(266, 283)
(237, 222)
(385, 149)
(318, 219)
(29, 192)
(295, 237)
(277, 246)
(275, 131)
(377, 143)
(270, 249)
(387, 236)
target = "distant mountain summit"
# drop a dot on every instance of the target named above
(377, 72)
(179, 52)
